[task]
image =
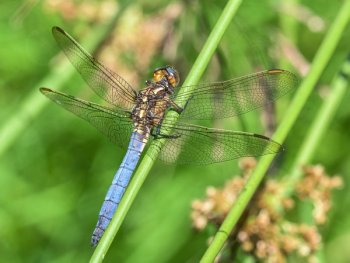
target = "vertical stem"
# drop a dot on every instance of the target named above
(321, 122)
(320, 61)
(288, 24)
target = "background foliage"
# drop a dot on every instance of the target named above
(55, 170)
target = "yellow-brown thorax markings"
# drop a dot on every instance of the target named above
(153, 101)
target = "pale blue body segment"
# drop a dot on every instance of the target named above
(119, 184)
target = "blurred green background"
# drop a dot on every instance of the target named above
(55, 168)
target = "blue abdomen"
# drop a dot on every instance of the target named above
(118, 187)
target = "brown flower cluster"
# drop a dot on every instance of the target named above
(317, 186)
(219, 201)
(266, 233)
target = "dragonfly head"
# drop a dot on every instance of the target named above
(167, 73)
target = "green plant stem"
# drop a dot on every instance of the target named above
(317, 130)
(289, 26)
(320, 124)
(32, 105)
(149, 159)
(288, 23)
(320, 61)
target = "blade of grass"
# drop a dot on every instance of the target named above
(288, 23)
(316, 131)
(320, 61)
(32, 105)
(320, 124)
(149, 159)
(289, 26)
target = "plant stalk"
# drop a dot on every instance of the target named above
(320, 61)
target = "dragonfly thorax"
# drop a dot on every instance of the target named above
(151, 105)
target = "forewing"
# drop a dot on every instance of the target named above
(115, 124)
(192, 144)
(236, 96)
(107, 84)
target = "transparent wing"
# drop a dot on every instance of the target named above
(107, 84)
(236, 96)
(115, 124)
(192, 144)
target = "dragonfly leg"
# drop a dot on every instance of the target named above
(175, 107)
(166, 136)
(157, 134)
(187, 103)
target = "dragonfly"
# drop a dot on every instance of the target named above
(134, 118)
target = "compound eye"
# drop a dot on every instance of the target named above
(172, 76)
(158, 74)
(172, 80)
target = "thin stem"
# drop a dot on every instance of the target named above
(320, 61)
(288, 25)
(149, 159)
(321, 123)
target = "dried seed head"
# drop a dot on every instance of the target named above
(266, 234)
